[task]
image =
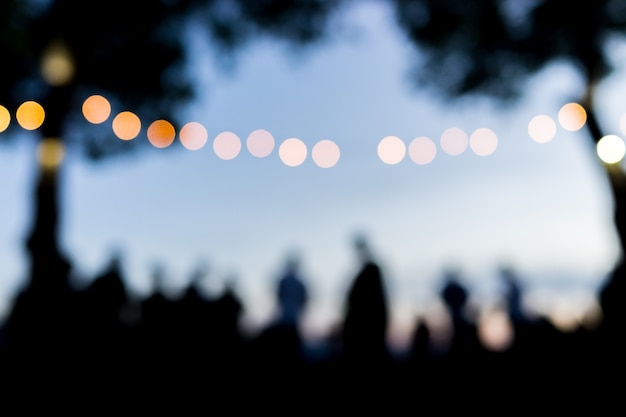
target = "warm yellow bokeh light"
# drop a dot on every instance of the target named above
(422, 150)
(292, 152)
(226, 145)
(126, 125)
(572, 117)
(611, 149)
(193, 136)
(391, 150)
(483, 141)
(260, 143)
(5, 118)
(57, 64)
(96, 109)
(50, 153)
(541, 128)
(30, 115)
(325, 153)
(453, 141)
(161, 133)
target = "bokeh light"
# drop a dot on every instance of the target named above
(391, 150)
(495, 330)
(260, 143)
(483, 141)
(565, 315)
(611, 149)
(57, 65)
(161, 133)
(541, 128)
(126, 125)
(30, 115)
(5, 118)
(572, 116)
(325, 153)
(422, 150)
(292, 152)
(96, 109)
(453, 141)
(50, 153)
(193, 136)
(226, 145)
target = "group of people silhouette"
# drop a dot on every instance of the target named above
(110, 344)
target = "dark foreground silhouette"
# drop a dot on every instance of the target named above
(96, 347)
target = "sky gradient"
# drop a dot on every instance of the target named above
(543, 208)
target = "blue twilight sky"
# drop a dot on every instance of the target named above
(544, 208)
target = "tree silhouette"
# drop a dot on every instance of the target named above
(492, 48)
(60, 52)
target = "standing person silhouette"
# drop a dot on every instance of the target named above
(366, 316)
(292, 293)
(365, 357)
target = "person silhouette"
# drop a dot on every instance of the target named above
(365, 359)
(513, 293)
(366, 317)
(292, 293)
(465, 349)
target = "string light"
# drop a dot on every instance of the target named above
(260, 143)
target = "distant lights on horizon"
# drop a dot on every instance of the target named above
(391, 150)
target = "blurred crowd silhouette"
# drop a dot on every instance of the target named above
(100, 344)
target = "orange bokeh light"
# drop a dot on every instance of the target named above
(96, 109)
(161, 133)
(126, 125)
(5, 118)
(572, 116)
(30, 115)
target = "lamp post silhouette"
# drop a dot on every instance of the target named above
(48, 265)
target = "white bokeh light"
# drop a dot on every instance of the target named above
(483, 141)
(542, 128)
(260, 143)
(391, 150)
(292, 152)
(227, 145)
(193, 136)
(325, 153)
(422, 150)
(611, 149)
(453, 141)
